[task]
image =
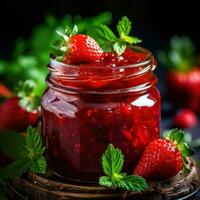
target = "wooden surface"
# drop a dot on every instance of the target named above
(34, 187)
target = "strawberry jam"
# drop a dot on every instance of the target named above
(88, 106)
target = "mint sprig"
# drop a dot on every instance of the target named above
(109, 42)
(177, 136)
(26, 151)
(26, 91)
(112, 164)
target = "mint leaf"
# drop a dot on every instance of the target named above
(130, 39)
(34, 143)
(131, 182)
(124, 26)
(38, 165)
(108, 41)
(112, 161)
(119, 47)
(28, 152)
(12, 144)
(105, 181)
(105, 32)
(17, 168)
(112, 164)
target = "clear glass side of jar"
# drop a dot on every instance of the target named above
(84, 111)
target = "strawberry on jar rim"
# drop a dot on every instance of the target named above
(76, 48)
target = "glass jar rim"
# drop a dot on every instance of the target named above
(147, 60)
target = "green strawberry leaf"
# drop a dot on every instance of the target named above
(177, 136)
(28, 98)
(185, 150)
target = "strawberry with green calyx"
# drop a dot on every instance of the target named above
(18, 112)
(112, 164)
(76, 48)
(164, 158)
(183, 77)
(109, 42)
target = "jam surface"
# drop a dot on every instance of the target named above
(77, 127)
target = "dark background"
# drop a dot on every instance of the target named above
(154, 21)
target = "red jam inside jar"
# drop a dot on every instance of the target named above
(86, 107)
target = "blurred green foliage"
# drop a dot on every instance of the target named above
(30, 57)
(180, 56)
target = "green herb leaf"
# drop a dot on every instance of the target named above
(119, 47)
(124, 26)
(105, 181)
(38, 165)
(105, 32)
(17, 168)
(133, 183)
(27, 151)
(109, 41)
(112, 164)
(34, 143)
(112, 161)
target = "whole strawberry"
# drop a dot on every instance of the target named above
(184, 88)
(18, 112)
(185, 118)
(183, 73)
(77, 48)
(164, 158)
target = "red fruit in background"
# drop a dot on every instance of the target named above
(14, 117)
(160, 160)
(4, 91)
(184, 88)
(82, 49)
(185, 118)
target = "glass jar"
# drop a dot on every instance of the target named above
(86, 108)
